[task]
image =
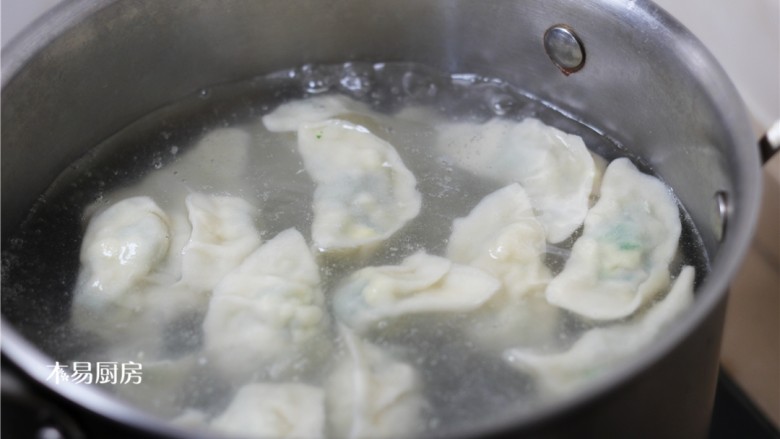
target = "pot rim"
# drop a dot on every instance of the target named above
(724, 264)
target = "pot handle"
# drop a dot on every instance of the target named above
(770, 142)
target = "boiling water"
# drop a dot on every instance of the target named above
(462, 385)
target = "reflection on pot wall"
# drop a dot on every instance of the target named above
(751, 24)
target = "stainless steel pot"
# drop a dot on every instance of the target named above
(92, 67)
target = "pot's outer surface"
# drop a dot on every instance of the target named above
(92, 67)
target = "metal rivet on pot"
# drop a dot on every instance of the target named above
(564, 48)
(721, 213)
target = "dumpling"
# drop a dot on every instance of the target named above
(502, 236)
(121, 249)
(422, 285)
(622, 258)
(599, 349)
(142, 268)
(555, 168)
(364, 191)
(372, 395)
(291, 115)
(267, 316)
(163, 383)
(285, 410)
(223, 234)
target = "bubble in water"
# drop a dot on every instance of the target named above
(315, 80)
(315, 86)
(502, 104)
(354, 83)
(204, 93)
(418, 86)
(356, 80)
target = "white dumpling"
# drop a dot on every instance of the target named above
(143, 269)
(286, 410)
(622, 258)
(120, 251)
(267, 316)
(223, 234)
(555, 168)
(122, 246)
(162, 383)
(422, 285)
(364, 191)
(372, 395)
(599, 349)
(291, 115)
(502, 236)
